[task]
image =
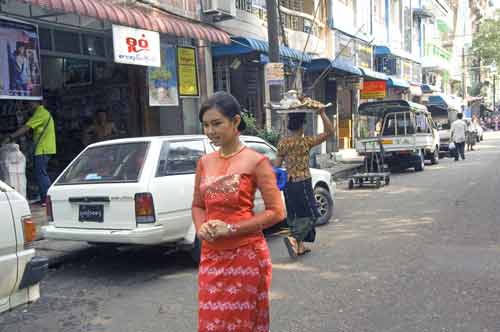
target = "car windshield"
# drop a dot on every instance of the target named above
(107, 163)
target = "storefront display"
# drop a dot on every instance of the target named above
(19, 61)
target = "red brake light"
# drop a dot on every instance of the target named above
(144, 208)
(48, 209)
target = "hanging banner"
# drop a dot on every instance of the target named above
(136, 46)
(163, 80)
(20, 76)
(374, 90)
(188, 78)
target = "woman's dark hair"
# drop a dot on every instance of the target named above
(226, 104)
(296, 121)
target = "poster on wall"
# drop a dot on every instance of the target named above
(20, 76)
(136, 47)
(163, 80)
(77, 72)
(188, 78)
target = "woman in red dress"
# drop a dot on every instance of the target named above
(235, 268)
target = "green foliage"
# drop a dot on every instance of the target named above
(254, 130)
(486, 43)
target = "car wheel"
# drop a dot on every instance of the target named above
(435, 157)
(195, 251)
(420, 163)
(325, 205)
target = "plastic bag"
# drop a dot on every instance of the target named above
(13, 167)
(451, 146)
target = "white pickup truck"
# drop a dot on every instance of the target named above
(406, 130)
(20, 270)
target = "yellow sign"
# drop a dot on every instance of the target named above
(387, 142)
(188, 78)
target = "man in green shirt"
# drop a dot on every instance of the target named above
(44, 138)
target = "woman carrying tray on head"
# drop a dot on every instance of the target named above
(301, 205)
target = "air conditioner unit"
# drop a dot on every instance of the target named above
(222, 9)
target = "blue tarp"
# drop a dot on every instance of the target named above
(244, 45)
(397, 83)
(339, 66)
(374, 74)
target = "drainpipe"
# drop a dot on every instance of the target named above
(387, 21)
(371, 17)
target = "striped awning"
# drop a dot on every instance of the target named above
(137, 17)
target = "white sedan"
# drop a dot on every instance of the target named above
(139, 191)
(20, 270)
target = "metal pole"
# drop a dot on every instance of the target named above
(494, 90)
(464, 72)
(274, 44)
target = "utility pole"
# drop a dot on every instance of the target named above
(464, 72)
(274, 52)
(274, 44)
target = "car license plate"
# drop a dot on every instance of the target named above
(93, 213)
(387, 142)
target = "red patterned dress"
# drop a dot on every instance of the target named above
(235, 273)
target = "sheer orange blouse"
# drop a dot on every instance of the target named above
(225, 190)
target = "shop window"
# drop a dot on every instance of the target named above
(179, 157)
(93, 46)
(45, 39)
(66, 41)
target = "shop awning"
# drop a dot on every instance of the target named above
(386, 50)
(445, 101)
(137, 17)
(373, 75)
(397, 83)
(339, 66)
(244, 45)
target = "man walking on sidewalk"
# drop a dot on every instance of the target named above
(458, 135)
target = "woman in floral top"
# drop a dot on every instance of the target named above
(235, 267)
(302, 210)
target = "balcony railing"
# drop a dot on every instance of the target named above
(436, 51)
(290, 21)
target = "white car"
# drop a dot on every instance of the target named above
(20, 270)
(139, 191)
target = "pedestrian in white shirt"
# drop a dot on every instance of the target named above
(458, 135)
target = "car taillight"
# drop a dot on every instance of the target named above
(29, 229)
(144, 208)
(48, 209)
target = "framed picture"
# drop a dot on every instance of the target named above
(77, 72)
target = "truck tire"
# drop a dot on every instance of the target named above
(420, 163)
(435, 156)
(325, 205)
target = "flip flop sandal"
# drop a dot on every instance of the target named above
(290, 248)
(307, 250)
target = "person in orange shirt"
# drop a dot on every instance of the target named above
(235, 267)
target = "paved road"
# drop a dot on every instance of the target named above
(420, 255)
